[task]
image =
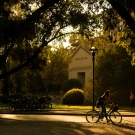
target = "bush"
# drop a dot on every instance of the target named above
(70, 84)
(4, 99)
(73, 97)
(88, 93)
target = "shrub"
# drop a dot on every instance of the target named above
(88, 93)
(70, 84)
(4, 99)
(73, 97)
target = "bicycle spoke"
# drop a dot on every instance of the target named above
(92, 116)
(115, 117)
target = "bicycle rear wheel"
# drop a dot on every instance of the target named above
(92, 116)
(10, 107)
(115, 117)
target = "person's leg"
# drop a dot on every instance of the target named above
(103, 108)
(104, 111)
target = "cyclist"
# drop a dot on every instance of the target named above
(105, 99)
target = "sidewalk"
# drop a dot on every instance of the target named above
(124, 113)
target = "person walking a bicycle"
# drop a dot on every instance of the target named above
(132, 99)
(104, 99)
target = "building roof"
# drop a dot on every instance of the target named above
(85, 48)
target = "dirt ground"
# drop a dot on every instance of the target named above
(15, 127)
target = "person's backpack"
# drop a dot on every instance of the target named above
(99, 101)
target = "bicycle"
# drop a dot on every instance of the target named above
(113, 114)
(28, 104)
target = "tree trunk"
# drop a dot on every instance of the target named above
(121, 10)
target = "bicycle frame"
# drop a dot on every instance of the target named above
(108, 112)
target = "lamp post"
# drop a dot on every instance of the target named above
(93, 51)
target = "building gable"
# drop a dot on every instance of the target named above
(86, 49)
(80, 58)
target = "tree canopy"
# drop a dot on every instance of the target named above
(114, 71)
(26, 24)
(24, 27)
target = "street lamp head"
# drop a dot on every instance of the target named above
(93, 49)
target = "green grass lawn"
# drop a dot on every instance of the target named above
(58, 106)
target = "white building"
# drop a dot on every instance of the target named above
(80, 66)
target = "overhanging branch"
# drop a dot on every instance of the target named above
(28, 61)
(123, 13)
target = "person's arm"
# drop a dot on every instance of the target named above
(130, 98)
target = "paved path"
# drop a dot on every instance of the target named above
(27, 124)
(60, 118)
(59, 122)
(72, 114)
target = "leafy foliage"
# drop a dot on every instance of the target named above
(127, 40)
(70, 84)
(43, 21)
(56, 69)
(88, 92)
(73, 97)
(114, 71)
(54, 87)
(26, 28)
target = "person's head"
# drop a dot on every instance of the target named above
(107, 93)
(132, 92)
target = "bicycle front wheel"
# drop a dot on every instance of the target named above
(115, 117)
(92, 116)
